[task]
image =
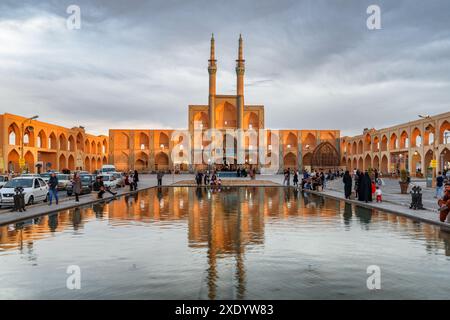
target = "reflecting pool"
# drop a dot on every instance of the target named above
(236, 243)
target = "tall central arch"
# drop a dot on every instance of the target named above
(325, 156)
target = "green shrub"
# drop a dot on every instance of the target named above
(404, 176)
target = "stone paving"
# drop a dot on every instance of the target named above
(391, 192)
(394, 201)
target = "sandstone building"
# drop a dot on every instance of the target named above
(150, 149)
(408, 146)
(48, 147)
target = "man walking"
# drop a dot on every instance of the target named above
(76, 186)
(439, 185)
(287, 177)
(53, 188)
(159, 177)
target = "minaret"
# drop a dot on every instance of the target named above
(240, 70)
(212, 69)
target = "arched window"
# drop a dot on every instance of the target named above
(446, 136)
(12, 138)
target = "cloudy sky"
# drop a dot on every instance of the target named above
(139, 64)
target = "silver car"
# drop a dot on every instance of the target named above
(63, 181)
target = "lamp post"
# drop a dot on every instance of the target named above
(428, 128)
(22, 135)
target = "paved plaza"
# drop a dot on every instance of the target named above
(391, 192)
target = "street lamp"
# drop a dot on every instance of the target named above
(22, 135)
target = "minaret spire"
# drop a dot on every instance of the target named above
(240, 70)
(212, 69)
(212, 57)
(240, 54)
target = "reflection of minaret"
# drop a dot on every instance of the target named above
(240, 266)
(212, 258)
(212, 69)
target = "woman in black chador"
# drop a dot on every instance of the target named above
(347, 184)
(368, 181)
(361, 193)
(365, 188)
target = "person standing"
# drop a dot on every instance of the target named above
(159, 177)
(53, 188)
(439, 185)
(347, 184)
(363, 187)
(295, 179)
(131, 180)
(365, 191)
(287, 177)
(379, 194)
(206, 178)
(77, 186)
(322, 179)
(135, 179)
(357, 183)
(444, 204)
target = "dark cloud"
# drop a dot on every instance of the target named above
(313, 64)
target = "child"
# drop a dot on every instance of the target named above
(379, 194)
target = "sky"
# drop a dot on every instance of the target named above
(313, 64)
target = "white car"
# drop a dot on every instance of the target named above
(109, 181)
(35, 190)
(29, 175)
(107, 169)
(3, 181)
(63, 181)
(120, 179)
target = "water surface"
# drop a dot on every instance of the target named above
(236, 243)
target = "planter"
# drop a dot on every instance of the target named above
(404, 187)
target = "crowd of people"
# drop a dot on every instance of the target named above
(131, 180)
(366, 186)
(208, 178)
(314, 180)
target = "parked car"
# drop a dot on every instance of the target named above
(86, 184)
(109, 180)
(63, 181)
(107, 168)
(3, 181)
(120, 183)
(45, 176)
(30, 175)
(34, 189)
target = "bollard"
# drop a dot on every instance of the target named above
(416, 198)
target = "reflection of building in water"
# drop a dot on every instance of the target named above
(27, 232)
(225, 221)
